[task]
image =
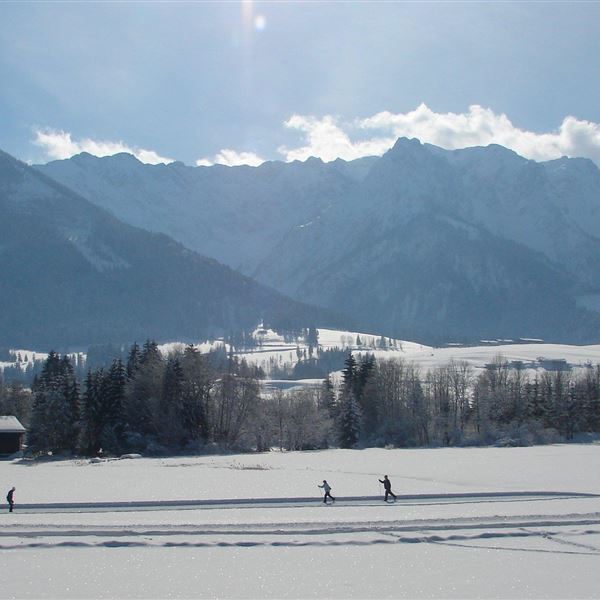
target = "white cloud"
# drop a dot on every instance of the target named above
(231, 158)
(328, 138)
(60, 144)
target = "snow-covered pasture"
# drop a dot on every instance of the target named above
(476, 522)
(273, 349)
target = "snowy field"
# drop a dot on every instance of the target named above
(468, 523)
(273, 349)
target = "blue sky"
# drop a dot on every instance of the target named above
(247, 81)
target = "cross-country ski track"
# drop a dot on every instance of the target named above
(559, 528)
(283, 531)
(241, 503)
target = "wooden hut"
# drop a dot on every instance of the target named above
(11, 435)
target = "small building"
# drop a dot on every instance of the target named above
(11, 435)
(554, 364)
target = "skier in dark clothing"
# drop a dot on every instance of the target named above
(327, 489)
(387, 484)
(9, 498)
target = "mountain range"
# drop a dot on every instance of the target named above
(72, 275)
(421, 243)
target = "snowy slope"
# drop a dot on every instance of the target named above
(427, 357)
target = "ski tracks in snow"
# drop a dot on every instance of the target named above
(303, 502)
(571, 532)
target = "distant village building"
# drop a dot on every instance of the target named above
(554, 364)
(11, 435)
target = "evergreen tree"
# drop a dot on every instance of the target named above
(170, 416)
(71, 400)
(349, 420)
(133, 360)
(114, 407)
(364, 371)
(364, 393)
(328, 396)
(349, 413)
(144, 392)
(312, 338)
(150, 353)
(92, 418)
(590, 390)
(350, 372)
(50, 368)
(55, 412)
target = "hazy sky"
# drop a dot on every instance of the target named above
(245, 81)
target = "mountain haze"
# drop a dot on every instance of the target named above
(72, 274)
(231, 214)
(421, 242)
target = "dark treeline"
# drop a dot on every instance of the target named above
(145, 403)
(311, 363)
(391, 402)
(193, 402)
(315, 362)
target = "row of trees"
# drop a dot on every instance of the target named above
(194, 402)
(392, 402)
(146, 402)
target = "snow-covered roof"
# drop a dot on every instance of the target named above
(11, 425)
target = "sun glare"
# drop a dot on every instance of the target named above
(260, 22)
(251, 21)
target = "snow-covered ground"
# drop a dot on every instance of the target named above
(468, 523)
(24, 358)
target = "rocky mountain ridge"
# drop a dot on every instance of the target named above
(461, 243)
(73, 275)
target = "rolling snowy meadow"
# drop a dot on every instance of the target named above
(468, 523)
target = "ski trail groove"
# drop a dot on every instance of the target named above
(237, 503)
(314, 528)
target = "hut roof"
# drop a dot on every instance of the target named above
(11, 425)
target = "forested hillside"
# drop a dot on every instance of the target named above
(73, 275)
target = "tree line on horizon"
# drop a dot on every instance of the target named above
(193, 402)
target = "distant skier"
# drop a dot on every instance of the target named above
(387, 484)
(327, 489)
(9, 499)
